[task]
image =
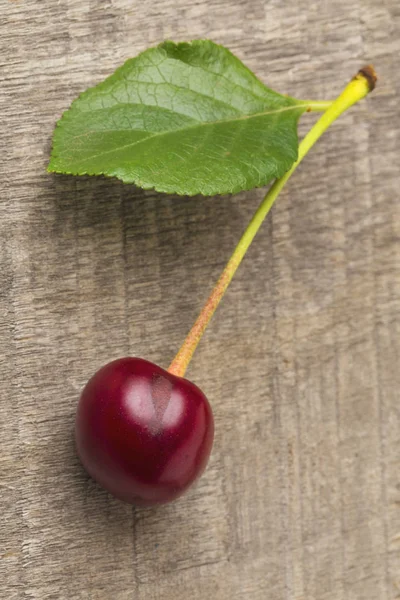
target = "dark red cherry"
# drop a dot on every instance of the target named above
(144, 434)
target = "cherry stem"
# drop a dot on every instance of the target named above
(355, 90)
(317, 105)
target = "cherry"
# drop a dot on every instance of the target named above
(146, 434)
(143, 433)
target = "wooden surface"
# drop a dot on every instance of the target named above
(301, 500)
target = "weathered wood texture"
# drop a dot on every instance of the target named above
(301, 500)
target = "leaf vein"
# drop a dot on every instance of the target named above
(205, 124)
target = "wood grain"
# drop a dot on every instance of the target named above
(301, 500)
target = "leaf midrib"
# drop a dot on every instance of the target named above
(202, 124)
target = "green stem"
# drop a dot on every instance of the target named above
(357, 89)
(317, 105)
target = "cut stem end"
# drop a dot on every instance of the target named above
(369, 74)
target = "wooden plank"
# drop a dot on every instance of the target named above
(302, 496)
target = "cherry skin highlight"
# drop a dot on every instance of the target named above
(144, 434)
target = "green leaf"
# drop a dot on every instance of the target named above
(185, 118)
